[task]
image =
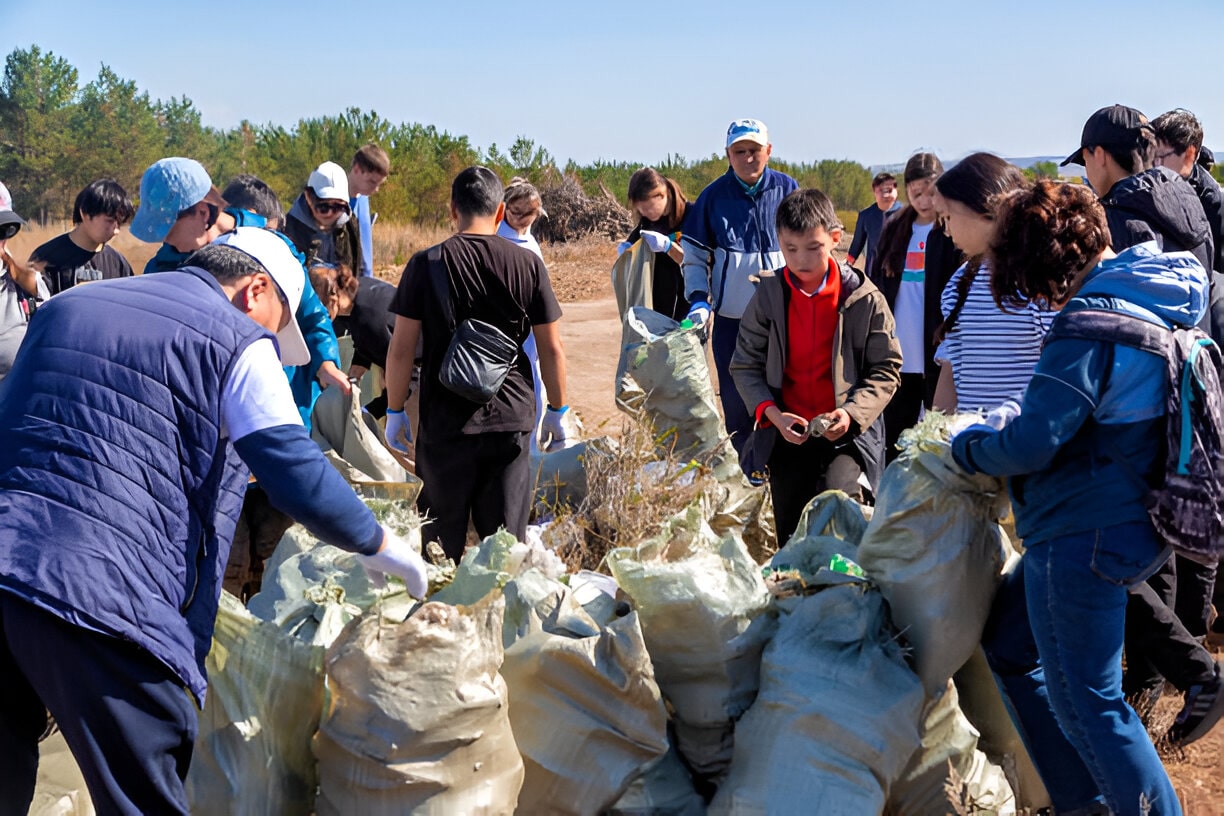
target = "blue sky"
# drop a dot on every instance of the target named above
(869, 81)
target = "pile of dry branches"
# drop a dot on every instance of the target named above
(572, 214)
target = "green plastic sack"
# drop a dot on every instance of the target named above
(837, 716)
(586, 711)
(663, 376)
(701, 601)
(936, 551)
(418, 718)
(265, 694)
(949, 740)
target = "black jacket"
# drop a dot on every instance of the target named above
(370, 323)
(1158, 205)
(942, 259)
(1208, 190)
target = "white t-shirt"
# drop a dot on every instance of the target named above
(993, 353)
(256, 395)
(909, 311)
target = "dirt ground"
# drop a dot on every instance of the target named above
(591, 332)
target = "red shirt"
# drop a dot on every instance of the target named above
(811, 323)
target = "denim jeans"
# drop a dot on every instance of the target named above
(735, 414)
(1012, 654)
(1076, 588)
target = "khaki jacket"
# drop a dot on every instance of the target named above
(866, 356)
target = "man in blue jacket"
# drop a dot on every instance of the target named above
(129, 433)
(180, 207)
(729, 238)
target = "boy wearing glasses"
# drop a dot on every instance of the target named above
(1179, 147)
(320, 222)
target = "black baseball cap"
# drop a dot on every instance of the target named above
(1116, 128)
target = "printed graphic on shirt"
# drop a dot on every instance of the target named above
(915, 263)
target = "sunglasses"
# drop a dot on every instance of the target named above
(328, 207)
(7, 231)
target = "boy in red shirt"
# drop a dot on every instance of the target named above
(817, 349)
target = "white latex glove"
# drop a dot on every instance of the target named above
(399, 431)
(557, 431)
(621, 247)
(699, 313)
(397, 557)
(1000, 417)
(657, 241)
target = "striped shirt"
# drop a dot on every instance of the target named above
(993, 353)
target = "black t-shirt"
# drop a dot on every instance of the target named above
(371, 322)
(67, 264)
(493, 280)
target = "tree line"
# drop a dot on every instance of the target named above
(57, 135)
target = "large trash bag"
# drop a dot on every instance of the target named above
(837, 716)
(664, 788)
(949, 741)
(745, 511)
(311, 590)
(60, 788)
(265, 694)
(561, 476)
(417, 721)
(586, 711)
(702, 602)
(936, 551)
(633, 278)
(337, 422)
(663, 377)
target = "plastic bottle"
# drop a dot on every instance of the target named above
(842, 564)
(686, 323)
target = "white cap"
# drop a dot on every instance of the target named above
(752, 130)
(273, 254)
(329, 180)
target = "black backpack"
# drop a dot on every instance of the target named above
(1186, 506)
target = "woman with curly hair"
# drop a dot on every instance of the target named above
(1091, 420)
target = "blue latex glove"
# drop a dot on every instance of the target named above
(399, 431)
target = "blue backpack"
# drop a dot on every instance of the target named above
(1185, 506)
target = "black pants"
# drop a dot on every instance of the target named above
(1195, 590)
(902, 412)
(736, 416)
(1158, 645)
(126, 718)
(483, 477)
(798, 473)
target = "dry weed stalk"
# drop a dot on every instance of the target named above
(630, 494)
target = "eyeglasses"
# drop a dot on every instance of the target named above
(7, 231)
(328, 207)
(1162, 156)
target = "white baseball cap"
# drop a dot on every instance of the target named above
(273, 254)
(752, 130)
(329, 180)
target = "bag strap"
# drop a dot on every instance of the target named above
(1102, 324)
(441, 284)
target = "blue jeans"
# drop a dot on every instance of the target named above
(1012, 654)
(735, 414)
(1076, 592)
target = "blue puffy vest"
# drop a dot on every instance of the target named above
(118, 493)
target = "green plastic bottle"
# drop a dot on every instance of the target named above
(842, 564)
(686, 323)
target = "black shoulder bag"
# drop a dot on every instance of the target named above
(480, 355)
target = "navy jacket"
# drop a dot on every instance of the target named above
(729, 237)
(1158, 205)
(118, 493)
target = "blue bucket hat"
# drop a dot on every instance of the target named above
(167, 188)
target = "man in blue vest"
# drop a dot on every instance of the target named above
(132, 414)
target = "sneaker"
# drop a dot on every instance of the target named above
(1202, 709)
